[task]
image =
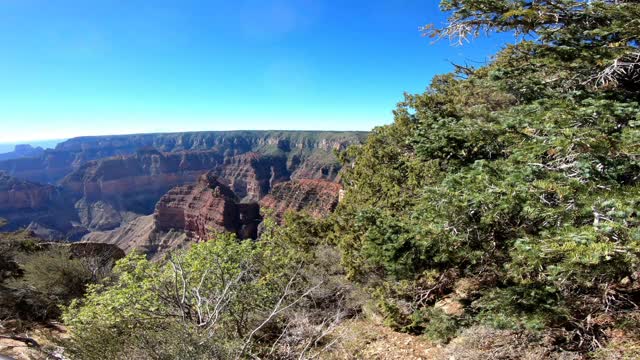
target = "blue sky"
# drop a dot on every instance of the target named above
(71, 68)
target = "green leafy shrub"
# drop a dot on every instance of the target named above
(220, 299)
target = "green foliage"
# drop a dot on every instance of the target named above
(279, 297)
(35, 280)
(217, 292)
(56, 274)
(440, 326)
(522, 174)
(12, 244)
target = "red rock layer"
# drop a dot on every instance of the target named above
(19, 195)
(315, 197)
(149, 171)
(208, 205)
(252, 175)
(24, 203)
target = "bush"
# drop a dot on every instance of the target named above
(219, 299)
(37, 280)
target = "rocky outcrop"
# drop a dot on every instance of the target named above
(315, 197)
(115, 190)
(207, 206)
(252, 175)
(41, 207)
(189, 213)
(16, 194)
(186, 214)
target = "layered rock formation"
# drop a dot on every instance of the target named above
(315, 197)
(106, 183)
(190, 213)
(147, 173)
(296, 146)
(115, 190)
(207, 206)
(112, 190)
(49, 167)
(40, 207)
(186, 214)
(16, 194)
(252, 175)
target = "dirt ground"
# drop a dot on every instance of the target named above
(43, 335)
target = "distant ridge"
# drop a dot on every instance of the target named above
(54, 164)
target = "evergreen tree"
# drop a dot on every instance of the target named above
(520, 176)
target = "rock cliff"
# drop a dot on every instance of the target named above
(105, 183)
(113, 190)
(315, 197)
(189, 213)
(252, 175)
(207, 206)
(297, 146)
(184, 215)
(42, 207)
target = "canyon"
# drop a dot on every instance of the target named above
(308, 152)
(158, 192)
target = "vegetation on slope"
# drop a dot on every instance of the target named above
(279, 297)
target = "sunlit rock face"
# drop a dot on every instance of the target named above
(315, 197)
(103, 185)
(309, 154)
(207, 206)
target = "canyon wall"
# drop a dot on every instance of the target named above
(39, 207)
(317, 198)
(22, 151)
(192, 213)
(209, 205)
(297, 146)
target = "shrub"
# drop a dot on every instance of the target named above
(219, 299)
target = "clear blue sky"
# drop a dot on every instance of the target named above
(91, 67)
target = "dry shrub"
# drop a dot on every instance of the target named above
(482, 342)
